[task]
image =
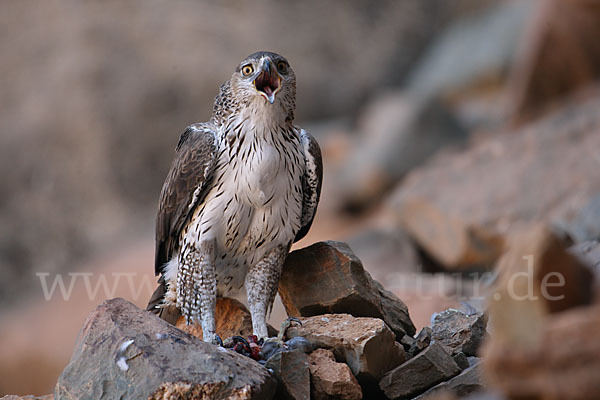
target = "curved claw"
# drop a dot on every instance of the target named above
(285, 326)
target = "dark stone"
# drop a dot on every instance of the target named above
(125, 352)
(421, 341)
(328, 278)
(462, 360)
(430, 367)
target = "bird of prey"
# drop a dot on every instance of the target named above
(242, 188)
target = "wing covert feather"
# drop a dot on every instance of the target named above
(184, 188)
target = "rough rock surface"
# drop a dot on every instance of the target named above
(421, 341)
(125, 352)
(367, 345)
(327, 277)
(331, 379)
(537, 277)
(430, 367)
(458, 332)
(563, 363)
(467, 382)
(291, 369)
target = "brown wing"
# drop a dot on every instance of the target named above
(185, 187)
(311, 182)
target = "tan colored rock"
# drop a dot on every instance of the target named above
(452, 242)
(564, 363)
(537, 277)
(232, 319)
(331, 379)
(430, 367)
(327, 277)
(367, 345)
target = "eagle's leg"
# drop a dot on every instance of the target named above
(262, 281)
(197, 288)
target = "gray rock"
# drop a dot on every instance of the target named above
(327, 277)
(299, 343)
(126, 353)
(430, 367)
(421, 341)
(291, 369)
(467, 382)
(459, 332)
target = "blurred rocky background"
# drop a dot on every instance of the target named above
(446, 127)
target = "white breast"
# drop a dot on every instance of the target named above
(255, 204)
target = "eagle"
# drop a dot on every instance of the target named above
(241, 189)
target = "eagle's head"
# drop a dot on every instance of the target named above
(265, 80)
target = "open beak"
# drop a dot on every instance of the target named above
(268, 81)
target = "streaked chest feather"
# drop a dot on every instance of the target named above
(255, 203)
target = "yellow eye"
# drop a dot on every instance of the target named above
(282, 66)
(247, 70)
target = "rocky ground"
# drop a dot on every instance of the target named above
(356, 340)
(454, 255)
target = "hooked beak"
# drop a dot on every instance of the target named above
(268, 81)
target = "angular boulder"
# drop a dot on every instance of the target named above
(331, 379)
(125, 352)
(327, 277)
(458, 332)
(430, 367)
(367, 345)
